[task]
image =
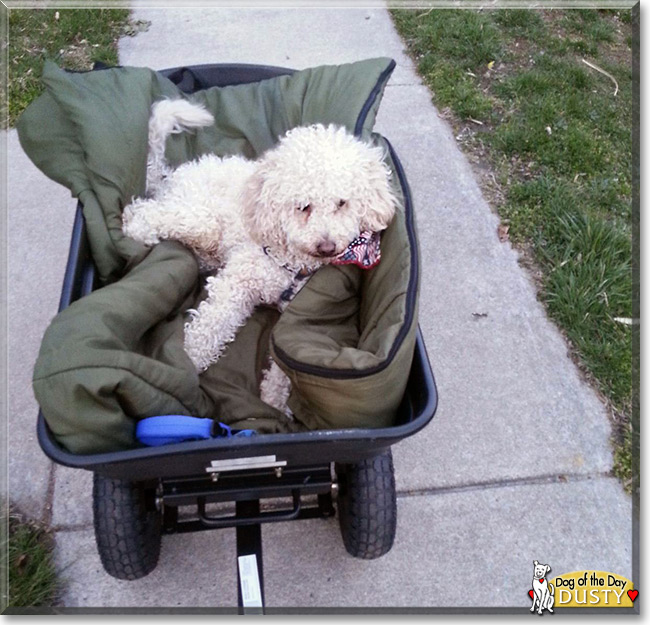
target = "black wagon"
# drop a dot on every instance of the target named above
(141, 493)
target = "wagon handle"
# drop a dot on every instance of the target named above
(264, 517)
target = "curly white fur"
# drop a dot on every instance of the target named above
(256, 224)
(275, 388)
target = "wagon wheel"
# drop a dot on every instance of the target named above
(367, 506)
(127, 528)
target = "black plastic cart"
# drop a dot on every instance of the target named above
(137, 493)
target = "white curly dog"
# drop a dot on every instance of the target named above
(259, 227)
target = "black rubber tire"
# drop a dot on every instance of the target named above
(127, 529)
(367, 506)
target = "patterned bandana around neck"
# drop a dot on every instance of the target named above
(363, 251)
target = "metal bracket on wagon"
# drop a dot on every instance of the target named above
(244, 464)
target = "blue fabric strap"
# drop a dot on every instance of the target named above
(167, 429)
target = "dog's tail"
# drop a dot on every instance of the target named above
(170, 117)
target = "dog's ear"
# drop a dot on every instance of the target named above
(258, 212)
(378, 203)
(548, 568)
(535, 562)
(251, 202)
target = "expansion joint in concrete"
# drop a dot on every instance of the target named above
(559, 478)
(49, 496)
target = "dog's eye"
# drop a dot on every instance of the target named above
(342, 203)
(305, 209)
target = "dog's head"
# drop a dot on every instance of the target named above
(540, 570)
(315, 192)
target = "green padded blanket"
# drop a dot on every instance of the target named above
(116, 356)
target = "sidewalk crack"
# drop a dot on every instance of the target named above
(48, 507)
(556, 478)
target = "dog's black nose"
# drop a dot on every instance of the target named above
(326, 248)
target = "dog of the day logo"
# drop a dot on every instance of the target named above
(580, 589)
(542, 592)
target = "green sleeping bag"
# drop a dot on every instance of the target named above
(116, 355)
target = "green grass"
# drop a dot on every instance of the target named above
(560, 143)
(73, 38)
(32, 577)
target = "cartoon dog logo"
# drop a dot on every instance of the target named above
(543, 594)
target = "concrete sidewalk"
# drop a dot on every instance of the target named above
(515, 466)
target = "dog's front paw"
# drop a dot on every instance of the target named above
(201, 358)
(200, 344)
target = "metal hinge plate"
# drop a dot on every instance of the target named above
(243, 464)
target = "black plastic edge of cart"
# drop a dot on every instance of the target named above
(196, 77)
(79, 277)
